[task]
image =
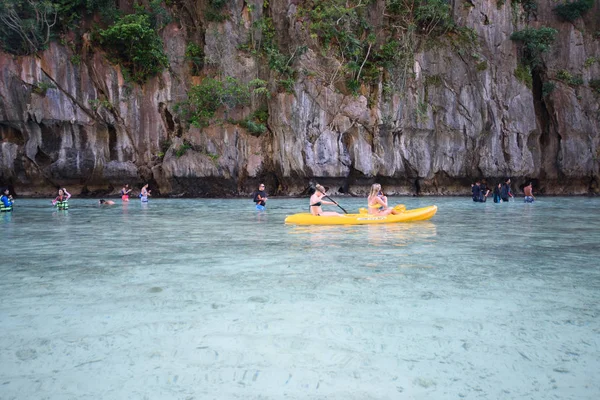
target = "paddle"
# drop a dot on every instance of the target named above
(333, 201)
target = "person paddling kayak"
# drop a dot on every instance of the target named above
(316, 201)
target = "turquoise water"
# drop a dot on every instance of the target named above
(209, 299)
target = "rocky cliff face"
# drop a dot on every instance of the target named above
(457, 117)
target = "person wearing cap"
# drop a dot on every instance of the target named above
(6, 201)
(260, 197)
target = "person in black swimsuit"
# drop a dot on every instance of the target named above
(316, 201)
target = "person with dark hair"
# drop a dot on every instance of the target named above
(505, 192)
(496, 194)
(62, 200)
(476, 192)
(528, 190)
(260, 197)
(6, 201)
(484, 191)
(103, 202)
(125, 193)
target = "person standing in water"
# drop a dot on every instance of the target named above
(6, 201)
(144, 193)
(528, 190)
(316, 201)
(260, 197)
(378, 203)
(496, 195)
(62, 200)
(476, 192)
(125, 193)
(505, 192)
(485, 192)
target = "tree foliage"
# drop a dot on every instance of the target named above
(26, 25)
(133, 43)
(205, 99)
(535, 42)
(347, 32)
(572, 10)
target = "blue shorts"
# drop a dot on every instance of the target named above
(260, 208)
(528, 199)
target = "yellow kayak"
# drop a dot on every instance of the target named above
(418, 214)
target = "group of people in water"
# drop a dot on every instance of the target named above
(377, 202)
(144, 193)
(61, 202)
(501, 192)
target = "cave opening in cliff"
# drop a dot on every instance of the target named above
(539, 104)
(42, 159)
(112, 143)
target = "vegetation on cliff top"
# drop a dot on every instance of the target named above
(27, 27)
(132, 42)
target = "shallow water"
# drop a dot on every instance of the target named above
(210, 299)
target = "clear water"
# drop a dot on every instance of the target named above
(209, 299)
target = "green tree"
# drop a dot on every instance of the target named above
(535, 42)
(26, 25)
(572, 10)
(205, 99)
(133, 43)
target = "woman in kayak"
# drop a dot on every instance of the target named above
(316, 201)
(377, 202)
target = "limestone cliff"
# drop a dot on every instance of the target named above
(68, 116)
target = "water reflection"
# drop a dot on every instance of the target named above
(316, 236)
(401, 234)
